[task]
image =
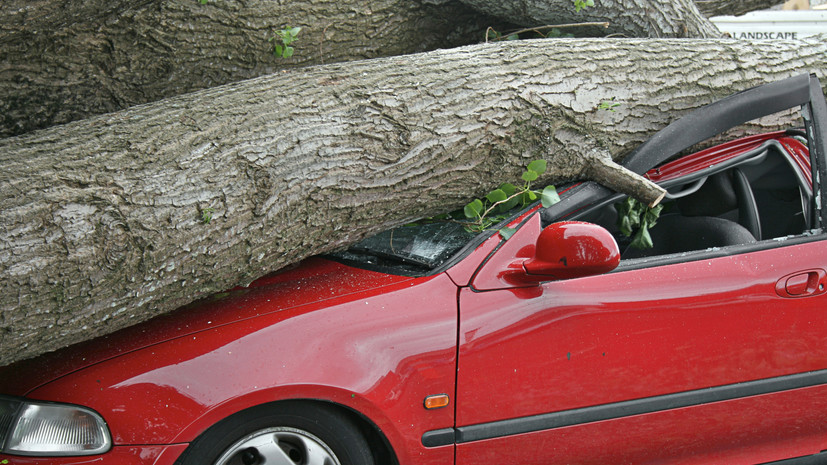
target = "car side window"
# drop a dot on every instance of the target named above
(765, 196)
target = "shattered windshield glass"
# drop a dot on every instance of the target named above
(417, 247)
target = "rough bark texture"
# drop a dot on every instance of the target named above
(102, 222)
(718, 7)
(628, 18)
(65, 60)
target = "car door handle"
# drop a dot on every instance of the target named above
(802, 284)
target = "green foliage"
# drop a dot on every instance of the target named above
(282, 40)
(582, 4)
(206, 215)
(489, 211)
(608, 105)
(634, 220)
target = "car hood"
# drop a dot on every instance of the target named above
(312, 281)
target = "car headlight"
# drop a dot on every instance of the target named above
(43, 428)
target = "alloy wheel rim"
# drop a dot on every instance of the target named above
(279, 446)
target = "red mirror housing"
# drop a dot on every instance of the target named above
(572, 249)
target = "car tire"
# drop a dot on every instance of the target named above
(301, 432)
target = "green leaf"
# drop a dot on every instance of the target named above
(288, 52)
(530, 175)
(279, 51)
(652, 214)
(497, 195)
(506, 233)
(625, 226)
(642, 239)
(538, 166)
(473, 209)
(294, 31)
(508, 188)
(549, 196)
(513, 37)
(506, 206)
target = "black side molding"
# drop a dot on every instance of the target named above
(439, 437)
(548, 421)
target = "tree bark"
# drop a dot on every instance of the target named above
(629, 18)
(66, 60)
(711, 8)
(106, 221)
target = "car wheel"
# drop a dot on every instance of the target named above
(286, 434)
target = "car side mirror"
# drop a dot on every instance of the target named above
(572, 249)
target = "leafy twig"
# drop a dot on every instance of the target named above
(282, 40)
(608, 105)
(485, 213)
(582, 4)
(206, 215)
(634, 220)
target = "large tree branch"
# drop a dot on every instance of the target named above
(717, 7)
(61, 61)
(103, 221)
(629, 18)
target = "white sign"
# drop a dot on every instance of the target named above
(773, 25)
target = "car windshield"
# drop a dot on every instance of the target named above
(412, 248)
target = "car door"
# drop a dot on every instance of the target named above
(695, 362)
(710, 356)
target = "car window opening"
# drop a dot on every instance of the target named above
(763, 196)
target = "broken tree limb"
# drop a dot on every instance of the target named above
(596, 164)
(612, 175)
(114, 219)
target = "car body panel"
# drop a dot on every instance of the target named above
(321, 280)
(739, 431)
(702, 323)
(596, 353)
(119, 455)
(378, 351)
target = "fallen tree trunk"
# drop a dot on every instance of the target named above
(716, 7)
(629, 18)
(60, 63)
(115, 219)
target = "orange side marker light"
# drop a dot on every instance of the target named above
(437, 401)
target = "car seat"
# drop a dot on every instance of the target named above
(706, 218)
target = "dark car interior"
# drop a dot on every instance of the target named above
(761, 196)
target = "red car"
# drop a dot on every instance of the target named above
(432, 345)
